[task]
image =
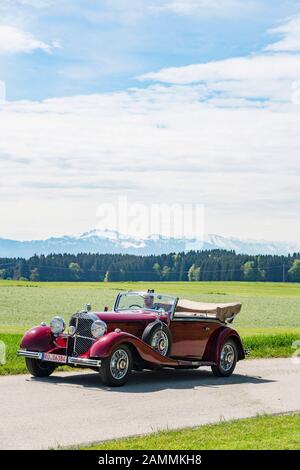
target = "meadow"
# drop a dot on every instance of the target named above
(279, 432)
(265, 305)
(268, 323)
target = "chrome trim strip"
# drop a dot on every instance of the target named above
(84, 337)
(201, 319)
(23, 352)
(82, 361)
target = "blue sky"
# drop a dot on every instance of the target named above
(139, 97)
(104, 45)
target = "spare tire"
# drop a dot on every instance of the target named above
(158, 336)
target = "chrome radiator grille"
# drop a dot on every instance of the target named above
(82, 340)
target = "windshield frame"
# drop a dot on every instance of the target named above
(143, 293)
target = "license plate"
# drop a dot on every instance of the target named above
(55, 358)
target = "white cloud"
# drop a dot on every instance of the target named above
(291, 37)
(34, 3)
(162, 139)
(133, 10)
(8, 4)
(2, 92)
(262, 79)
(224, 134)
(207, 7)
(256, 67)
(14, 40)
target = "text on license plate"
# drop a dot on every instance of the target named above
(55, 358)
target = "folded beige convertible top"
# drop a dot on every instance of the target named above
(223, 312)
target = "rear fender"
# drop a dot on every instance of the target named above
(215, 343)
(105, 345)
(38, 339)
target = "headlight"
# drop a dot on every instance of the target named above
(98, 328)
(57, 325)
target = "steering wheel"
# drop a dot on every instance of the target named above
(135, 305)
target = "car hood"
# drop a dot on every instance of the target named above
(129, 316)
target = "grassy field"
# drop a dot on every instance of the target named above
(261, 433)
(265, 305)
(269, 321)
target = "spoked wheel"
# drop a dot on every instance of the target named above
(115, 369)
(227, 360)
(158, 336)
(39, 368)
(160, 342)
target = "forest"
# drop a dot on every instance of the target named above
(214, 265)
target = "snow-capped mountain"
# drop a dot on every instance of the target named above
(109, 241)
(254, 247)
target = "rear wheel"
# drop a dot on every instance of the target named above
(115, 369)
(39, 368)
(227, 360)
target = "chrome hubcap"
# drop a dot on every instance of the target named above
(119, 364)
(160, 342)
(227, 357)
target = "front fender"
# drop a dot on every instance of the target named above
(215, 343)
(105, 345)
(38, 339)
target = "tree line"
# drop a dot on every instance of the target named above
(213, 265)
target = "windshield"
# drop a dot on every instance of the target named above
(145, 300)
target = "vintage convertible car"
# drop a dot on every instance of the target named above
(145, 330)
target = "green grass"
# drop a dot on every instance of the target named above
(267, 346)
(265, 305)
(281, 432)
(14, 364)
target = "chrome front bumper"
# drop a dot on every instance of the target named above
(82, 361)
(35, 355)
(76, 361)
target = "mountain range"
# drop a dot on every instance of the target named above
(109, 241)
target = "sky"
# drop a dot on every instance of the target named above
(159, 101)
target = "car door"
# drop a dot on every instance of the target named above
(190, 336)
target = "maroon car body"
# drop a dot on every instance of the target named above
(133, 338)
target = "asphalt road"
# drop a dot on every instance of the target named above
(67, 409)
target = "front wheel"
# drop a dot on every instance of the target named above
(39, 368)
(227, 360)
(115, 369)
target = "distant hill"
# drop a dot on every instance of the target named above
(108, 241)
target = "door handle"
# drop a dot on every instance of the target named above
(206, 328)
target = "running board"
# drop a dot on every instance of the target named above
(195, 363)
